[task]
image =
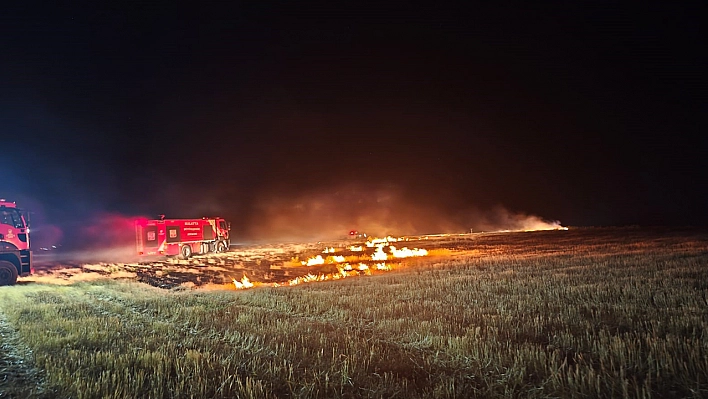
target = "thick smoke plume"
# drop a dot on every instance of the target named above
(331, 214)
(501, 219)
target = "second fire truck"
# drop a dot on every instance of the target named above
(181, 237)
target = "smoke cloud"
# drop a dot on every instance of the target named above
(331, 214)
(104, 237)
(501, 219)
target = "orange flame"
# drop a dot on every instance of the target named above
(244, 283)
(406, 253)
(315, 260)
(383, 266)
(344, 268)
(379, 254)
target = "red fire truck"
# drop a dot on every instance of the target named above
(15, 255)
(183, 237)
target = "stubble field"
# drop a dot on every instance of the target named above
(579, 313)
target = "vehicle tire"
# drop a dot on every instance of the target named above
(8, 273)
(185, 252)
(221, 247)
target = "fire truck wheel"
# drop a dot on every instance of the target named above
(8, 273)
(186, 252)
(220, 247)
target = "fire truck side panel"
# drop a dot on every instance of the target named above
(167, 237)
(148, 237)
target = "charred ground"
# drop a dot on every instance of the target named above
(279, 263)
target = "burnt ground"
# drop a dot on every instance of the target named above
(280, 263)
(267, 263)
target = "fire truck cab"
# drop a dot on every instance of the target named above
(15, 254)
(181, 237)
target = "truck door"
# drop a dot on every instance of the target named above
(150, 237)
(173, 234)
(207, 232)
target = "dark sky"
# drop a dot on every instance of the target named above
(585, 112)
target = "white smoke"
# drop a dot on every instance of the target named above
(331, 214)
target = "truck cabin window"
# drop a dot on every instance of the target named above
(12, 218)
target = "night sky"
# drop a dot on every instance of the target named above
(286, 116)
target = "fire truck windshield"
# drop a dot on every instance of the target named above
(12, 218)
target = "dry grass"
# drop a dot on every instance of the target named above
(592, 313)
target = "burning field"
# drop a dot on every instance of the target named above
(255, 265)
(603, 312)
